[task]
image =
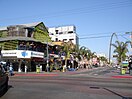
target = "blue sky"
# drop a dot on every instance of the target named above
(95, 20)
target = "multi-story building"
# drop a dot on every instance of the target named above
(25, 44)
(64, 33)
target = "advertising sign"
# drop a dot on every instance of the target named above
(37, 54)
(9, 53)
(23, 54)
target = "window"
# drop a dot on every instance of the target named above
(56, 31)
(29, 32)
(64, 40)
(56, 39)
(60, 32)
(71, 39)
(70, 32)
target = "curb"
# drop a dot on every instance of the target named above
(36, 75)
(121, 76)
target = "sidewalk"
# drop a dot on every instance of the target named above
(81, 72)
(116, 73)
(54, 73)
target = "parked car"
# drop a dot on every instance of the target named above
(3, 80)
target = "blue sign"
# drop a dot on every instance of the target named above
(24, 54)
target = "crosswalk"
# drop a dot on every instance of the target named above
(96, 72)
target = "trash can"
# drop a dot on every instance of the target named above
(123, 71)
(37, 69)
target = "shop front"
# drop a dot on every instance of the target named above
(22, 58)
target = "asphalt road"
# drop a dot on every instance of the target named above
(69, 87)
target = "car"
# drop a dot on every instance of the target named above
(3, 80)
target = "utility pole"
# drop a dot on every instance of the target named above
(47, 66)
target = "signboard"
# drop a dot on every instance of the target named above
(125, 63)
(9, 53)
(37, 54)
(22, 54)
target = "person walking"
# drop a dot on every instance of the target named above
(11, 70)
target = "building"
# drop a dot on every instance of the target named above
(25, 45)
(64, 33)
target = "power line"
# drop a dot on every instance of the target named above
(85, 10)
(102, 36)
(93, 37)
(95, 9)
(102, 33)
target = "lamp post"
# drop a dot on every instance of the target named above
(110, 45)
(47, 66)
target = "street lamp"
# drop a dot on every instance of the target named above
(110, 45)
(47, 66)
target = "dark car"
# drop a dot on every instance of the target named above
(3, 80)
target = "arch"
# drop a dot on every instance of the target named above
(113, 34)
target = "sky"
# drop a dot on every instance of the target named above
(95, 20)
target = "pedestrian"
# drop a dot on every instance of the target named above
(130, 67)
(25, 69)
(11, 70)
(3, 69)
(47, 67)
(40, 68)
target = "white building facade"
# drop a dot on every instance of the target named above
(64, 33)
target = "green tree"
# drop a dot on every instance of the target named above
(84, 53)
(67, 48)
(121, 50)
(102, 58)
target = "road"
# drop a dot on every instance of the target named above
(75, 86)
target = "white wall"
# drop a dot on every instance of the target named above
(63, 33)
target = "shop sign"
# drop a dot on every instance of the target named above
(23, 54)
(9, 53)
(37, 54)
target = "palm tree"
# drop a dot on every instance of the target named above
(93, 54)
(103, 60)
(84, 53)
(121, 50)
(67, 48)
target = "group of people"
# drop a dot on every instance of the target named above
(7, 69)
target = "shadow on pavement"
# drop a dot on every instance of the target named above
(123, 97)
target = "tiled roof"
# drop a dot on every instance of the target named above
(26, 25)
(31, 24)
